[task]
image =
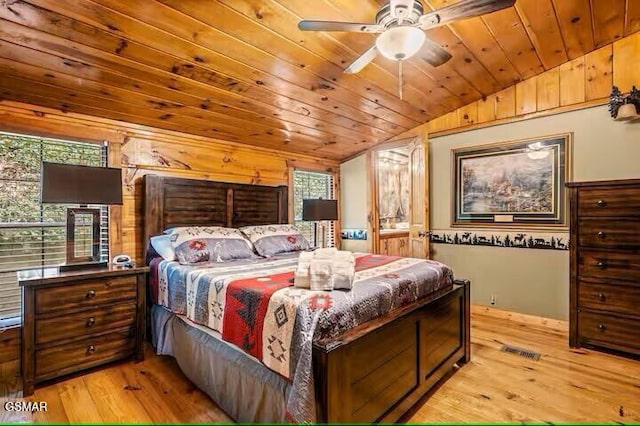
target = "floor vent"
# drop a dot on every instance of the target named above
(522, 352)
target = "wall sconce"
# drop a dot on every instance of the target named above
(624, 106)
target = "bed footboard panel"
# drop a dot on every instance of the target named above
(382, 374)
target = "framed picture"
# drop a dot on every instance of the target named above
(517, 183)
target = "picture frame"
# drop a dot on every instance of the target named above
(516, 183)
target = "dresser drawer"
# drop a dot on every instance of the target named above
(622, 299)
(610, 265)
(620, 201)
(85, 294)
(609, 331)
(619, 233)
(56, 361)
(97, 320)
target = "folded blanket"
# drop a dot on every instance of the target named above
(302, 274)
(321, 274)
(344, 270)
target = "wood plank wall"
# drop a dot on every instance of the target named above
(582, 82)
(140, 150)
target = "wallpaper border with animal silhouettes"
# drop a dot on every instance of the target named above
(495, 238)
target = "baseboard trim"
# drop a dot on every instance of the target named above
(552, 323)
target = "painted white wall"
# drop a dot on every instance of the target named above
(529, 280)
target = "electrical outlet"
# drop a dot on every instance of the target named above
(493, 299)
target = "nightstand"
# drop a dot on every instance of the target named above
(73, 321)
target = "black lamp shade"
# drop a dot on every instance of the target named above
(319, 209)
(73, 184)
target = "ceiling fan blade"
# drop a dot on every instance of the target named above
(362, 61)
(433, 53)
(461, 10)
(307, 25)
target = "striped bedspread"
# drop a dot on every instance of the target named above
(253, 304)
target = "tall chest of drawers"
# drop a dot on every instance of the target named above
(74, 321)
(605, 265)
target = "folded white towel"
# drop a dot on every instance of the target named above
(344, 270)
(321, 274)
(344, 256)
(302, 274)
(328, 252)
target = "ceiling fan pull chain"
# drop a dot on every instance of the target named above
(400, 79)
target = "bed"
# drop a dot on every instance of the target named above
(369, 367)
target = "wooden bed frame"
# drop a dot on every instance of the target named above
(357, 377)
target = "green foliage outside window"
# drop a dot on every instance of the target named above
(309, 185)
(32, 234)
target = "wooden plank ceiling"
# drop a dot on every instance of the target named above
(240, 70)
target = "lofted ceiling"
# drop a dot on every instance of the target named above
(240, 70)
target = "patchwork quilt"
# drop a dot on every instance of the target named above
(253, 304)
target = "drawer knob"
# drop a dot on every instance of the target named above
(91, 321)
(602, 327)
(602, 297)
(91, 294)
(91, 349)
(601, 264)
(601, 203)
(601, 234)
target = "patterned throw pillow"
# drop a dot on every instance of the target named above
(270, 240)
(196, 244)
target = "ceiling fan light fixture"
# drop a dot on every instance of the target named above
(400, 43)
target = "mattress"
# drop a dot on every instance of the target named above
(254, 306)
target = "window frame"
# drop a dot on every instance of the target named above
(104, 148)
(334, 172)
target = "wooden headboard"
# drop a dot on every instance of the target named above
(171, 201)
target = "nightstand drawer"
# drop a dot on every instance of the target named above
(69, 358)
(620, 233)
(609, 202)
(85, 294)
(56, 329)
(609, 331)
(610, 265)
(622, 299)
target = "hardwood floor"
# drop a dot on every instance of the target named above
(564, 385)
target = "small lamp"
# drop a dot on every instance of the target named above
(317, 210)
(624, 106)
(83, 185)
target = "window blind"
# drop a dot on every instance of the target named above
(312, 185)
(33, 234)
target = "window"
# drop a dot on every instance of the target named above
(33, 234)
(312, 185)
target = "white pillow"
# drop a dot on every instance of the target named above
(162, 245)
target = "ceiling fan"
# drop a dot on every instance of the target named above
(401, 24)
